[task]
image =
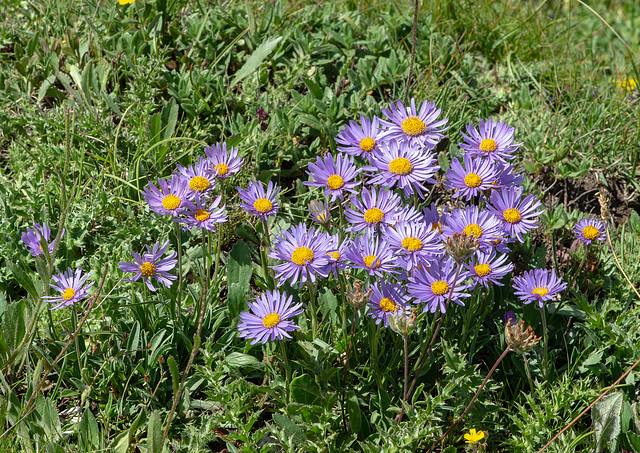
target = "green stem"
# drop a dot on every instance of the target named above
(179, 240)
(527, 370)
(346, 365)
(287, 369)
(314, 310)
(545, 341)
(406, 366)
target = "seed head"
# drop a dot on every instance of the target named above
(401, 322)
(518, 338)
(460, 247)
(356, 298)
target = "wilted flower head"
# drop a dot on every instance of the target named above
(403, 322)
(518, 338)
(356, 298)
(32, 239)
(460, 246)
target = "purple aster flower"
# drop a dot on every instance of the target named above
(306, 254)
(416, 127)
(506, 176)
(375, 209)
(151, 265)
(588, 230)
(197, 214)
(257, 201)
(469, 181)
(405, 165)
(200, 177)
(223, 162)
(406, 214)
(488, 267)
(269, 317)
(434, 218)
(71, 287)
(336, 177)
(371, 254)
(493, 140)
(385, 300)
(336, 254)
(472, 222)
(170, 197)
(517, 216)
(434, 284)
(32, 239)
(415, 242)
(359, 140)
(319, 211)
(538, 285)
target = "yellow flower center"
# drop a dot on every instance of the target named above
(472, 180)
(412, 244)
(473, 230)
(482, 270)
(590, 232)
(400, 166)
(302, 255)
(367, 144)
(488, 145)
(437, 226)
(387, 305)
(541, 291)
(221, 169)
(335, 182)
(373, 215)
(322, 217)
(271, 320)
(371, 262)
(512, 215)
(68, 293)
(199, 184)
(439, 287)
(147, 269)
(171, 202)
(202, 215)
(334, 255)
(263, 205)
(413, 126)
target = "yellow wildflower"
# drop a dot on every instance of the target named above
(473, 437)
(125, 2)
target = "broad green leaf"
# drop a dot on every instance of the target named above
(290, 428)
(88, 431)
(355, 414)
(238, 359)
(239, 266)
(23, 279)
(606, 421)
(256, 59)
(305, 390)
(154, 433)
(175, 374)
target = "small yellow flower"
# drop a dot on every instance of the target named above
(473, 437)
(125, 2)
(627, 84)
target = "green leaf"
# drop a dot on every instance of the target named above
(450, 449)
(24, 280)
(305, 390)
(606, 421)
(88, 431)
(291, 430)
(355, 414)
(634, 440)
(175, 374)
(256, 59)
(238, 359)
(154, 433)
(239, 268)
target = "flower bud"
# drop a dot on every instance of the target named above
(356, 298)
(319, 211)
(460, 247)
(401, 322)
(518, 338)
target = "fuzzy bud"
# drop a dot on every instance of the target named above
(356, 298)
(518, 338)
(401, 322)
(460, 247)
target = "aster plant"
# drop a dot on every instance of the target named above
(151, 265)
(71, 286)
(33, 239)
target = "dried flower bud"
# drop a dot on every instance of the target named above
(518, 338)
(603, 199)
(146, 378)
(401, 322)
(356, 298)
(460, 247)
